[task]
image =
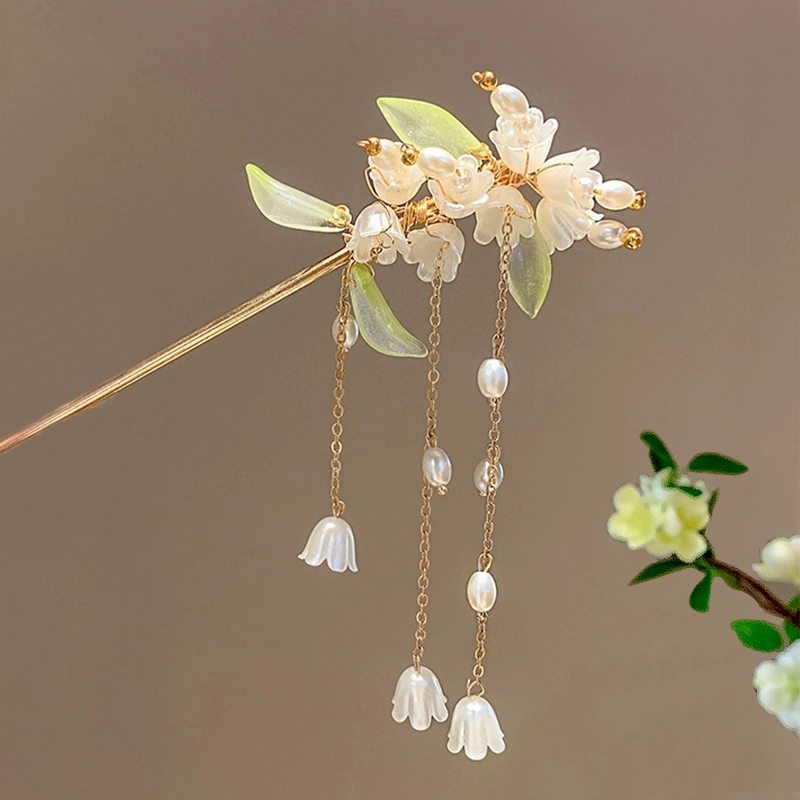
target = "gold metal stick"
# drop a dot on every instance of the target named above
(180, 348)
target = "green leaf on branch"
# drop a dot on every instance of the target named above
(660, 568)
(794, 603)
(660, 456)
(716, 463)
(712, 501)
(690, 490)
(758, 635)
(792, 634)
(700, 598)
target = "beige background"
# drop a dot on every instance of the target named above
(160, 639)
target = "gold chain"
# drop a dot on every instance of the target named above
(343, 307)
(475, 685)
(430, 441)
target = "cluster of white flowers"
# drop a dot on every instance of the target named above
(568, 184)
(777, 683)
(662, 519)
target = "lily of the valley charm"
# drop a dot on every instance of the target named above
(530, 203)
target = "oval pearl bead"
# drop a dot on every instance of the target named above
(389, 155)
(615, 195)
(436, 466)
(481, 591)
(481, 476)
(509, 102)
(350, 332)
(436, 162)
(607, 234)
(492, 378)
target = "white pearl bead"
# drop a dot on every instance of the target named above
(607, 234)
(492, 378)
(481, 591)
(350, 332)
(509, 102)
(615, 195)
(389, 155)
(436, 162)
(436, 466)
(481, 476)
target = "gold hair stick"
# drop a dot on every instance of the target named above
(180, 348)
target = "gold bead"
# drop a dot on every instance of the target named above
(409, 154)
(371, 145)
(486, 80)
(638, 201)
(632, 238)
(342, 216)
(442, 490)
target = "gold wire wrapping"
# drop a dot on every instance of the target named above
(430, 441)
(475, 686)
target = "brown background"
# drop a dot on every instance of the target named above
(160, 639)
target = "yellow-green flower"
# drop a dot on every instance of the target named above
(660, 518)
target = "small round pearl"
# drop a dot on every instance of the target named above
(509, 102)
(436, 466)
(615, 195)
(481, 476)
(388, 157)
(481, 591)
(607, 234)
(436, 162)
(350, 332)
(492, 378)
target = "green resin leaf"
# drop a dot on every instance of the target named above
(664, 567)
(377, 324)
(292, 208)
(758, 635)
(792, 634)
(660, 456)
(716, 463)
(530, 272)
(700, 598)
(427, 125)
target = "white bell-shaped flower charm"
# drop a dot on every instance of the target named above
(418, 698)
(332, 541)
(475, 729)
(377, 232)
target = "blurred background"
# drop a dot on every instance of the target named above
(160, 637)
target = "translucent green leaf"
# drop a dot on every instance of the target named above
(758, 635)
(529, 273)
(427, 125)
(660, 456)
(292, 208)
(377, 323)
(792, 634)
(716, 463)
(700, 599)
(663, 567)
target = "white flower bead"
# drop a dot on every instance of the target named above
(475, 729)
(524, 144)
(434, 162)
(661, 519)
(780, 561)
(394, 182)
(509, 102)
(481, 591)
(436, 466)
(462, 193)
(492, 378)
(490, 216)
(350, 331)
(606, 234)
(377, 227)
(777, 684)
(615, 195)
(418, 698)
(424, 248)
(481, 476)
(331, 540)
